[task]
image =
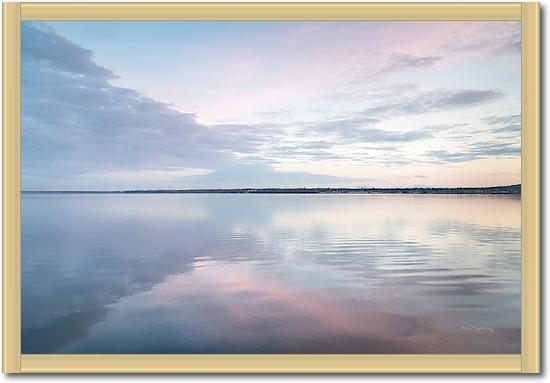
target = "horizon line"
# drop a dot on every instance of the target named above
(289, 189)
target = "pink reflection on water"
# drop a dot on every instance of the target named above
(262, 309)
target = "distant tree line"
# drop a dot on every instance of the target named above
(511, 189)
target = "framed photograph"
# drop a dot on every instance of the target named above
(271, 187)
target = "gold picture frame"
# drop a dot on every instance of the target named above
(526, 362)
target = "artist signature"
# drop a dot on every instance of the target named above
(478, 329)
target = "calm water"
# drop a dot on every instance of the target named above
(270, 274)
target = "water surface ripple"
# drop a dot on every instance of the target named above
(249, 273)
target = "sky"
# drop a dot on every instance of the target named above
(183, 105)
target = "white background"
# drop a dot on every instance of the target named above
(335, 378)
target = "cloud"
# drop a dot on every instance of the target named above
(261, 175)
(504, 124)
(74, 120)
(424, 46)
(143, 176)
(496, 149)
(399, 62)
(379, 135)
(508, 129)
(343, 123)
(443, 156)
(476, 151)
(37, 44)
(358, 130)
(79, 129)
(433, 101)
(500, 120)
(489, 39)
(360, 126)
(508, 47)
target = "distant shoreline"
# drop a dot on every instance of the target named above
(511, 189)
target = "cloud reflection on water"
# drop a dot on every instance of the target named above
(270, 274)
